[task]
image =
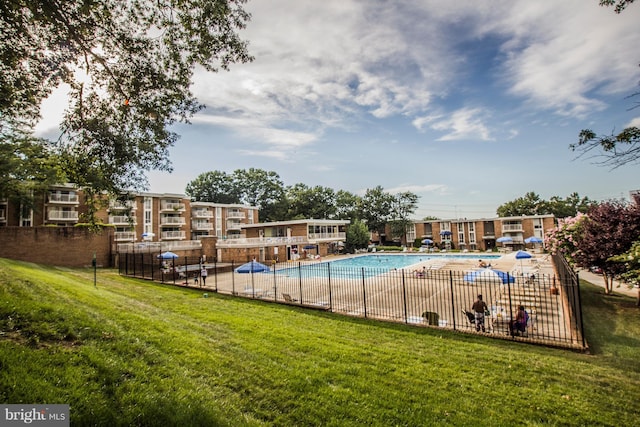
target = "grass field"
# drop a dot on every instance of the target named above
(133, 352)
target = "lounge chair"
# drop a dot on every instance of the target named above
(470, 317)
(287, 298)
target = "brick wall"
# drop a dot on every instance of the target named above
(61, 246)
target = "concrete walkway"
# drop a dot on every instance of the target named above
(618, 287)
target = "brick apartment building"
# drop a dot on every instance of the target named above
(476, 234)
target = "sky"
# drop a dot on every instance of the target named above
(468, 104)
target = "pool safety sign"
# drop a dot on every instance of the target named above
(34, 415)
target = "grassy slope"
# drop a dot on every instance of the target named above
(135, 352)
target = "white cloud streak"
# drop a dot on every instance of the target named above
(324, 64)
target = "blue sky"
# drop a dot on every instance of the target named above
(468, 104)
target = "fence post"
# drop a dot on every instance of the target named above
(330, 291)
(233, 278)
(364, 294)
(577, 285)
(404, 297)
(511, 319)
(215, 274)
(453, 302)
(300, 279)
(275, 282)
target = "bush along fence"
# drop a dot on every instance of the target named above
(437, 298)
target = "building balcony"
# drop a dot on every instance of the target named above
(62, 215)
(510, 228)
(117, 205)
(261, 241)
(236, 215)
(327, 236)
(63, 198)
(172, 206)
(202, 226)
(173, 235)
(121, 220)
(201, 213)
(124, 236)
(172, 221)
(234, 226)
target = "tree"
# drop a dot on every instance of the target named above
(263, 189)
(620, 4)
(376, 208)
(129, 66)
(357, 236)
(214, 186)
(615, 150)
(403, 206)
(608, 229)
(631, 262)
(27, 166)
(347, 205)
(306, 202)
(569, 206)
(530, 204)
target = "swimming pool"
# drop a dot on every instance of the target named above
(368, 265)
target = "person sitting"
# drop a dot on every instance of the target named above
(519, 325)
(421, 274)
(482, 264)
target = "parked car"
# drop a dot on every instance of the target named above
(595, 269)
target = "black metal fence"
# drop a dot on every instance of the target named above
(437, 297)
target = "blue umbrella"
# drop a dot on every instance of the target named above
(167, 255)
(504, 239)
(252, 267)
(445, 233)
(427, 241)
(488, 275)
(533, 239)
(522, 255)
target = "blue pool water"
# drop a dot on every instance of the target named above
(367, 265)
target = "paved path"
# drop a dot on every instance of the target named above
(618, 287)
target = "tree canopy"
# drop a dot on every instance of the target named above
(607, 229)
(128, 65)
(532, 204)
(620, 5)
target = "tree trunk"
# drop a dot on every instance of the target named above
(608, 283)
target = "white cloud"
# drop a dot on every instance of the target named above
(635, 122)
(560, 59)
(418, 189)
(466, 123)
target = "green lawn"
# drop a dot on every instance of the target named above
(133, 352)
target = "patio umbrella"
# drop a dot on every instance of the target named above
(504, 239)
(252, 267)
(522, 255)
(488, 275)
(445, 233)
(533, 239)
(167, 255)
(427, 241)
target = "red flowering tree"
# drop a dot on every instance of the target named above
(607, 230)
